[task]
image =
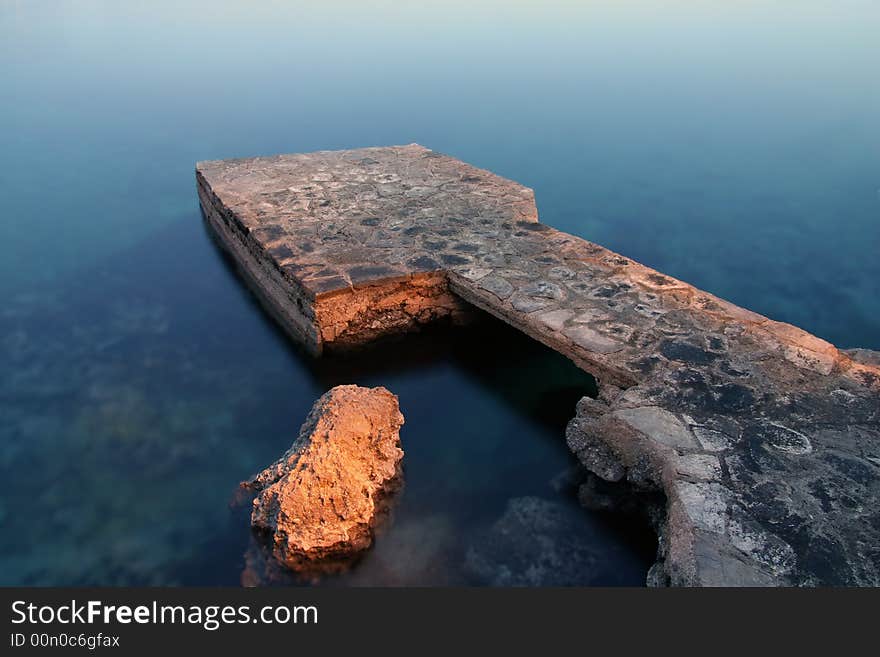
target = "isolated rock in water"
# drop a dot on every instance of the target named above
(320, 501)
(535, 543)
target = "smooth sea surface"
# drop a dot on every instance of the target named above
(735, 145)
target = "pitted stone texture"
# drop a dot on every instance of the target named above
(320, 501)
(345, 246)
(350, 245)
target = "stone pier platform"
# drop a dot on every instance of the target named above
(765, 439)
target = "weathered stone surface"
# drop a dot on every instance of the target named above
(346, 246)
(320, 501)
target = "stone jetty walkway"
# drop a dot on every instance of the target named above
(764, 438)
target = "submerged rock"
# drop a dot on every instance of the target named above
(425, 551)
(535, 543)
(864, 356)
(319, 503)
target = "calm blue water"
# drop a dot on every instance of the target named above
(735, 145)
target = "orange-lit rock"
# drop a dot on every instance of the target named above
(318, 504)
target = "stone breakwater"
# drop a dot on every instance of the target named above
(764, 439)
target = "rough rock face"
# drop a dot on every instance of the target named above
(764, 439)
(320, 501)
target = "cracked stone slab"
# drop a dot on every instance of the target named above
(699, 395)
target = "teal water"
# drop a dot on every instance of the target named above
(735, 145)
